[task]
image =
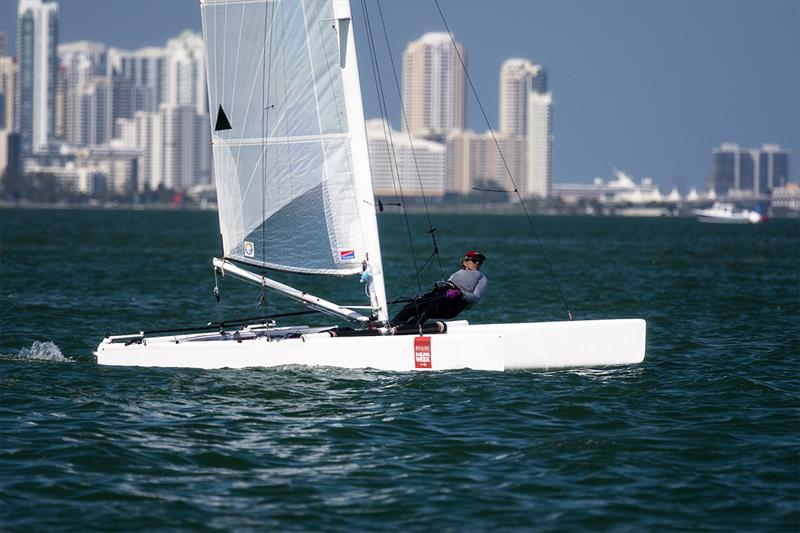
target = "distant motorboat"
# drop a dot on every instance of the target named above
(726, 213)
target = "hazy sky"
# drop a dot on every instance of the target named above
(647, 86)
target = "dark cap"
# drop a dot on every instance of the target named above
(473, 253)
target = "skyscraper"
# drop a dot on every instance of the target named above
(2, 44)
(748, 171)
(144, 75)
(87, 93)
(538, 182)
(7, 93)
(7, 124)
(420, 163)
(433, 85)
(37, 42)
(518, 78)
(185, 80)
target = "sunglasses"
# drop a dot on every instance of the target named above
(475, 260)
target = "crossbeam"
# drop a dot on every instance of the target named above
(309, 300)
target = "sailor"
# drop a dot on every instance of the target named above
(462, 290)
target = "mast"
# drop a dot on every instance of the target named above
(360, 155)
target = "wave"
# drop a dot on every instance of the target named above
(42, 351)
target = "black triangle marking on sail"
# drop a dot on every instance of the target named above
(222, 121)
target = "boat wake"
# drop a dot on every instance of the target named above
(42, 351)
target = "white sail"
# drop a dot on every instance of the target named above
(286, 182)
(290, 153)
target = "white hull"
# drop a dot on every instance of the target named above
(712, 219)
(724, 213)
(479, 347)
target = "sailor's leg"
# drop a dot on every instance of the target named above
(447, 308)
(417, 311)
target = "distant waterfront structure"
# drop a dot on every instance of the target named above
(159, 108)
(185, 75)
(433, 85)
(8, 137)
(747, 172)
(37, 42)
(539, 177)
(518, 78)
(187, 154)
(88, 170)
(7, 94)
(394, 166)
(87, 94)
(144, 132)
(138, 79)
(474, 161)
(787, 197)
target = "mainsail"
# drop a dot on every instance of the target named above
(290, 153)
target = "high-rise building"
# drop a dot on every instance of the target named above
(145, 73)
(773, 168)
(748, 171)
(2, 44)
(539, 179)
(397, 169)
(7, 125)
(87, 94)
(474, 160)
(37, 42)
(433, 85)
(183, 133)
(149, 134)
(7, 74)
(185, 76)
(518, 78)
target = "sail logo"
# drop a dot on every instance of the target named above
(345, 255)
(422, 352)
(249, 249)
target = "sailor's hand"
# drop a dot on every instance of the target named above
(453, 294)
(442, 284)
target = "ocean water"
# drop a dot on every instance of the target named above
(704, 435)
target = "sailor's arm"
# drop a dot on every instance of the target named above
(475, 296)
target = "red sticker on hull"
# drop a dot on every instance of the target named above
(422, 352)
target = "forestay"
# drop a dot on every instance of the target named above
(290, 154)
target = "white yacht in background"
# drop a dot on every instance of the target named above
(727, 213)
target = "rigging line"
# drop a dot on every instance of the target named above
(416, 277)
(390, 151)
(269, 25)
(431, 229)
(385, 126)
(505, 163)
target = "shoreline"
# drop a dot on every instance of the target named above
(505, 209)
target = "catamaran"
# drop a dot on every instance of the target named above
(295, 195)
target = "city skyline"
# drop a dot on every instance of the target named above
(647, 105)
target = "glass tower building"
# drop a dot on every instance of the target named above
(37, 53)
(755, 171)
